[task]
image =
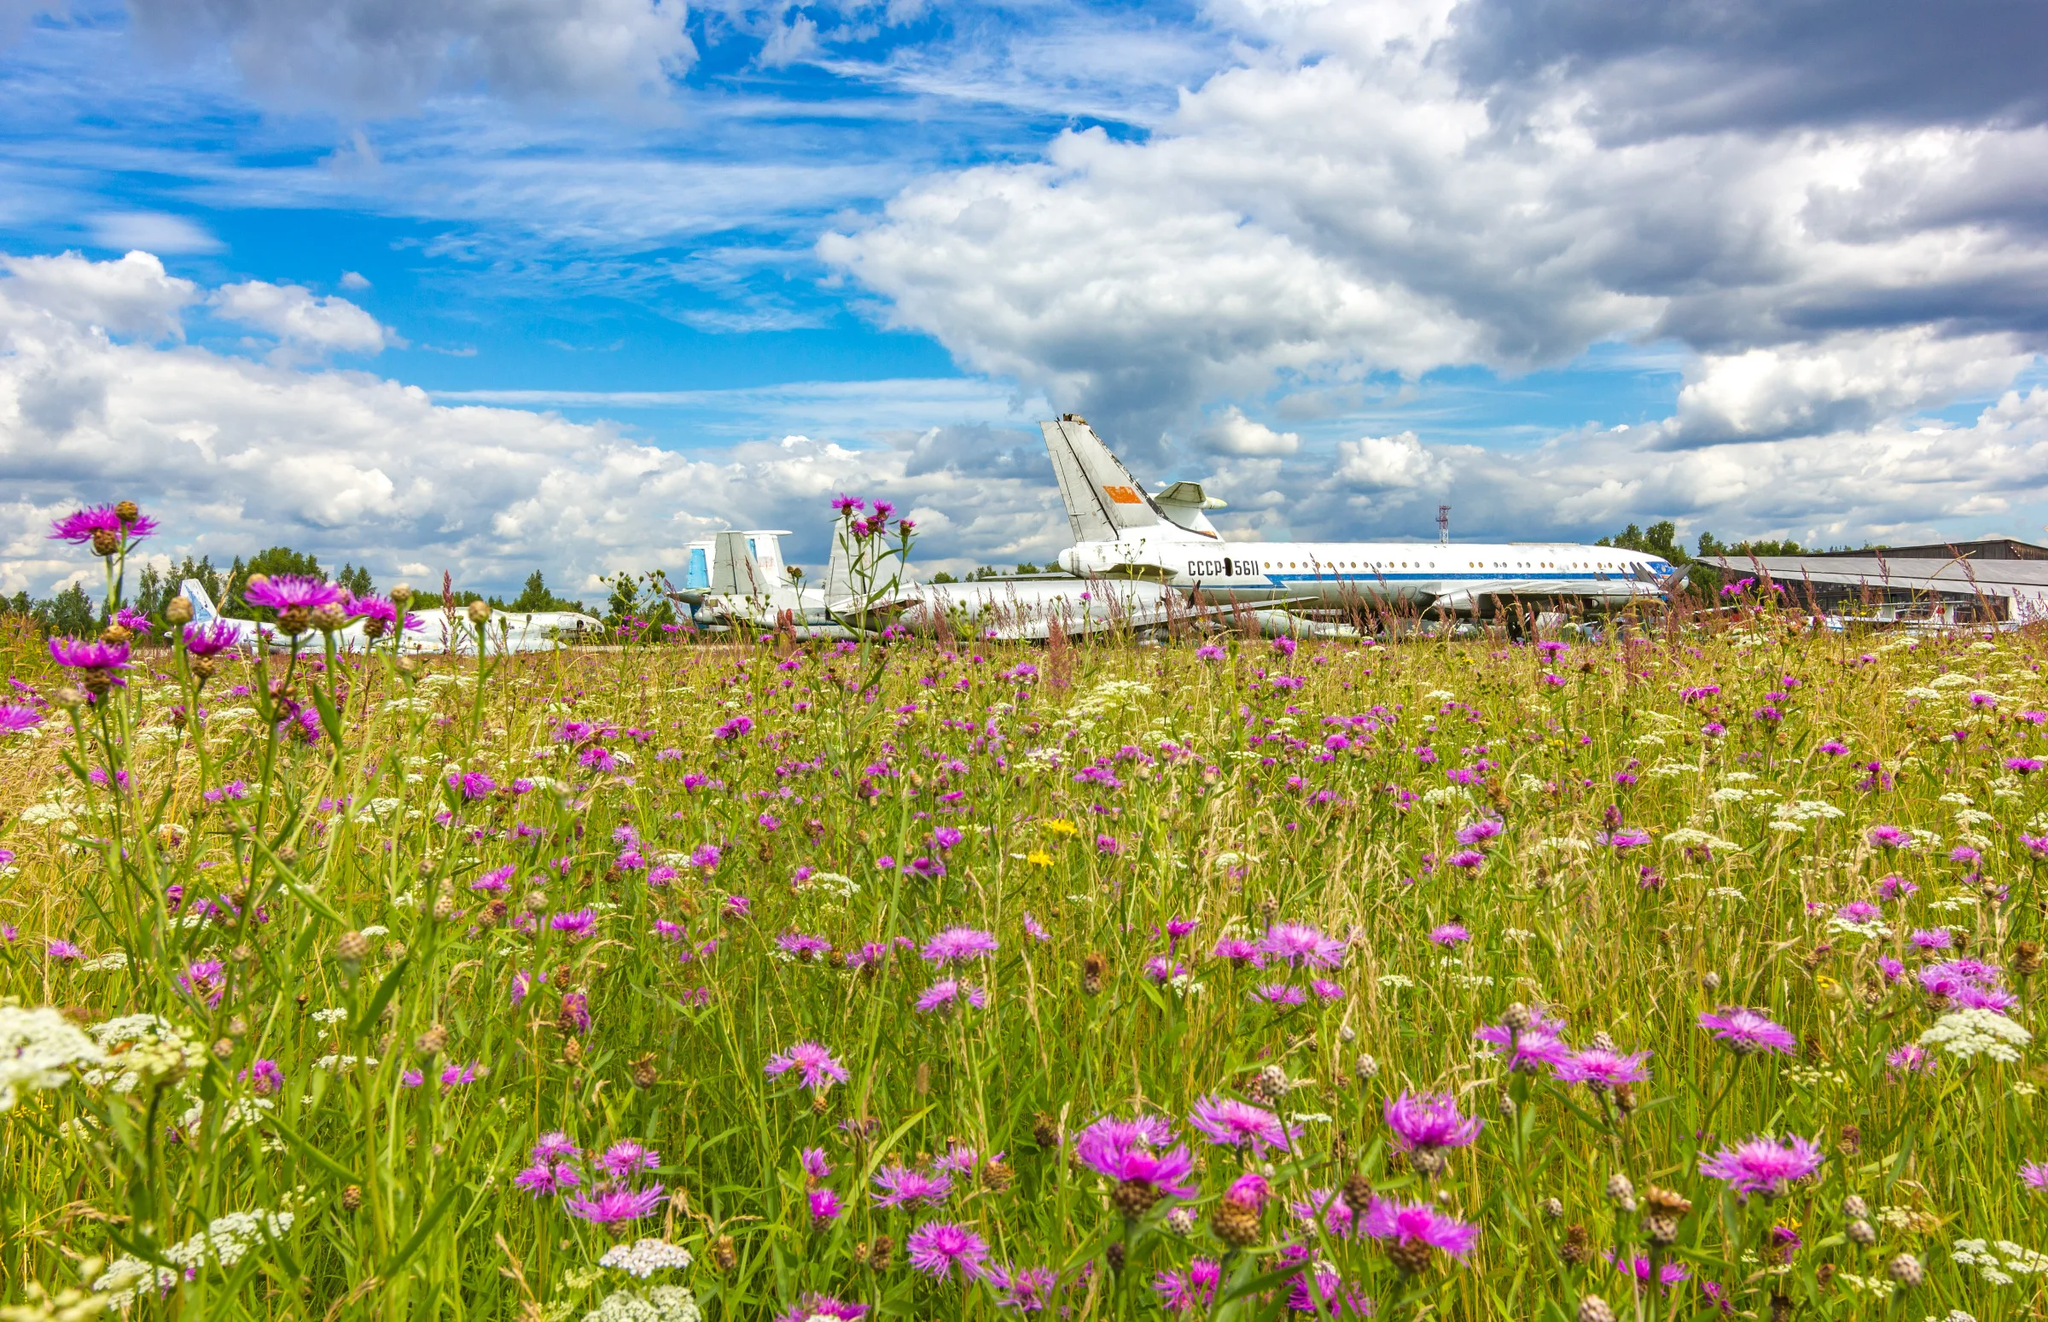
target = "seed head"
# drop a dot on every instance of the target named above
(1093, 966)
(127, 511)
(1906, 1270)
(879, 1253)
(1045, 1131)
(401, 596)
(105, 541)
(1518, 1018)
(1357, 1193)
(328, 618)
(479, 612)
(1367, 1068)
(433, 1042)
(1553, 1209)
(2026, 958)
(1593, 1308)
(1574, 1250)
(724, 1254)
(1861, 1232)
(1235, 1224)
(351, 947)
(645, 1074)
(1854, 1206)
(1621, 1192)
(352, 1197)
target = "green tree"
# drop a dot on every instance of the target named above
(72, 613)
(624, 603)
(272, 562)
(537, 596)
(1026, 567)
(943, 577)
(355, 581)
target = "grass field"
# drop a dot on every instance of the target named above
(962, 982)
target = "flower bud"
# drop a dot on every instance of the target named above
(179, 611)
(1517, 1018)
(127, 511)
(70, 696)
(1854, 1206)
(1367, 1068)
(351, 947)
(1594, 1309)
(479, 612)
(105, 541)
(330, 617)
(401, 596)
(1906, 1270)
(1861, 1232)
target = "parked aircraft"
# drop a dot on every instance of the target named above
(508, 631)
(1122, 531)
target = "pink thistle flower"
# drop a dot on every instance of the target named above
(1419, 1223)
(1535, 1048)
(1479, 832)
(284, 592)
(1746, 1032)
(814, 1065)
(958, 944)
(940, 1249)
(1027, 1289)
(612, 1206)
(1298, 943)
(82, 526)
(58, 949)
(1230, 1123)
(1283, 994)
(1035, 929)
(1430, 1120)
(2034, 1175)
(812, 1306)
(555, 1145)
(1450, 934)
(826, 1206)
(947, 993)
(1910, 1059)
(814, 1163)
(1600, 1069)
(627, 1158)
(547, 1178)
(1638, 1266)
(1181, 1292)
(15, 718)
(805, 947)
(1325, 989)
(906, 1186)
(1249, 1190)
(1932, 938)
(100, 658)
(1890, 837)
(1758, 1165)
(576, 924)
(1100, 1149)
(1240, 951)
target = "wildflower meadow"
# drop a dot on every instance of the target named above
(1683, 974)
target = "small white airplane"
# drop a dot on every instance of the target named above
(1122, 531)
(507, 631)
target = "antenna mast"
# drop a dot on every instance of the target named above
(1443, 525)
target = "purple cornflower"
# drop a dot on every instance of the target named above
(287, 592)
(1746, 1032)
(264, 1077)
(959, 944)
(612, 1206)
(1026, 1289)
(1479, 832)
(576, 924)
(1859, 912)
(1534, 1048)
(822, 1305)
(1910, 1059)
(204, 981)
(456, 1075)
(1932, 938)
(942, 994)
(624, 1159)
(1465, 858)
(1160, 969)
(1035, 929)
(825, 1206)
(941, 1248)
(472, 786)
(496, 881)
(814, 1163)
(1298, 943)
(1280, 993)
(1230, 1123)
(1181, 1292)
(1450, 934)
(547, 1177)
(734, 728)
(1239, 951)
(1890, 837)
(86, 525)
(555, 1145)
(15, 718)
(2034, 1175)
(1638, 1266)
(1430, 1120)
(1121, 1152)
(57, 948)
(813, 1063)
(575, 1013)
(1759, 1165)
(804, 947)
(99, 658)
(1410, 1224)
(1601, 1069)
(1108, 846)
(906, 1186)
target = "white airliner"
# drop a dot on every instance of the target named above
(1122, 531)
(508, 631)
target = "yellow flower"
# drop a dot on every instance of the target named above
(1038, 858)
(1061, 826)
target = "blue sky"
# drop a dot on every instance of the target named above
(488, 285)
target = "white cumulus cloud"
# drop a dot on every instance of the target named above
(1233, 433)
(301, 318)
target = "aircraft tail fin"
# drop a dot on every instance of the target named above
(1104, 501)
(203, 611)
(734, 570)
(838, 583)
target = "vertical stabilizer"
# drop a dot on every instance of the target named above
(203, 611)
(1104, 502)
(734, 571)
(838, 571)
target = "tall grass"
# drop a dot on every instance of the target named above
(1681, 823)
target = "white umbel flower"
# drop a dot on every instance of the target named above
(645, 1257)
(662, 1303)
(38, 1049)
(1967, 1033)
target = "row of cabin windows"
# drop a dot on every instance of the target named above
(1470, 564)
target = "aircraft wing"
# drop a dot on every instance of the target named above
(1466, 597)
